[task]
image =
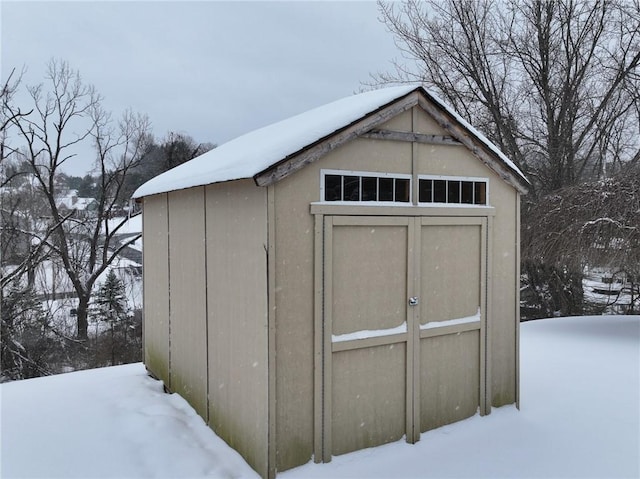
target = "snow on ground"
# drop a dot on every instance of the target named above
(579, 415)
(108, 423)
(579, 418)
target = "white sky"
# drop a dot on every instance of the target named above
(213, 70)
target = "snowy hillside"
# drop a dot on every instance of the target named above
(579, 417)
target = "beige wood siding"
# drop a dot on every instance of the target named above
(402, 122)
(359, 268)
(294, 321)
(236, 218)
(156, 286)
(504, 256)
(450, 380)
(504, 301)
(450, 272)
(434, 376)
(187, 279)
(452, 285)
(366, 282)
(294, 288)
(369, 403)
(234, 316)
(295, 283)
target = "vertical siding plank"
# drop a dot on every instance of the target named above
(503, 296)
(415, 155)
(517, 301)
(413, 331)
(485, 404)
(416, 224)
(368, 397)
(155, 261)
(490, 321)
(451, 383)
(187, 281)
(271, 319)
(237, 237)
(326, 335)
(318, 337)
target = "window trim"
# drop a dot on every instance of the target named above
(473, 179)
(366, 174)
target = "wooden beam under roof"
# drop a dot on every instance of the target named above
(468, 139)
(302, 158)
(367, 127)
(410, 137)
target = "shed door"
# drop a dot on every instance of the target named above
(450, 373)
(401, 328)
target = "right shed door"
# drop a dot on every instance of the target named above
(450, 367)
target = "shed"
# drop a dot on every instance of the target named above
(337, 280)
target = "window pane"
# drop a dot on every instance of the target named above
(402, 190)
(439, 191)
(369, 188)
(425, 192)
(454, 191)
(332, 187)
(467, 192)
(481, 193)
(351, 188)
(386, 189)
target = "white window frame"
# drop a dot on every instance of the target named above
(371, 174)
(455, 178)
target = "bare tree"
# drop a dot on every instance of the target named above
(554, 83)
(8, 113)
(64, 118)
(16, 228)
(595, 224)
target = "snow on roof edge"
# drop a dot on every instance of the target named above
(480, 136)
(253, 152)
(258, 150)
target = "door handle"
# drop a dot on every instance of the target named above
(413, 301)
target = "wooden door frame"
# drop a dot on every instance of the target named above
(324, 348)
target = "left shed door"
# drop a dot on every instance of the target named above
(367, 278)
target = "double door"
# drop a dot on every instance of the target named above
(401, 344)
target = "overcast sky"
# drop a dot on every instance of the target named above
(213, 70)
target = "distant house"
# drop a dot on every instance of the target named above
(610, 290)
(71, 202)
(339, 280)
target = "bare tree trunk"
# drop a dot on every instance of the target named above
(113, 353)
(82, 320)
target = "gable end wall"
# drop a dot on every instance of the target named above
(294, 289)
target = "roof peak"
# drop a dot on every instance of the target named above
(256, 152)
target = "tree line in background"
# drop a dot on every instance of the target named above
(70, 227)
(555, 84)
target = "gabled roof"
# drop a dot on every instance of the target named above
(272, 152)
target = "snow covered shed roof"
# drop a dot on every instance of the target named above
(266, 154)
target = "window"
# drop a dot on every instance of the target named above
(359, 187)
(365, 187)
(452, 190)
